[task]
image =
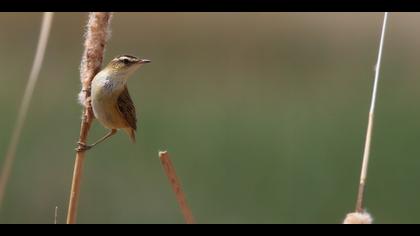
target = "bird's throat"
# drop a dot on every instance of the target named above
(111, 85)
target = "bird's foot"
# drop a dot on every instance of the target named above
(81, 147)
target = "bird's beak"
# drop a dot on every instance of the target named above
(144, 61)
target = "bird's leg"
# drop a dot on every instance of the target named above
(85, 147)
(112, 132)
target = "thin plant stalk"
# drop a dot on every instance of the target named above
(55, 215)
(97, 34)
(176, 186)
(368, 141)
(24, 106)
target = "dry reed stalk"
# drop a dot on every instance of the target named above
(55, 215)
(366, 154)
(97, 34)
(24, 106)
(361, 215)
(176, 186)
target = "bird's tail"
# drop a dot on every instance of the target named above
(131, 134)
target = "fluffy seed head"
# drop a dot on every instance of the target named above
(358, 218)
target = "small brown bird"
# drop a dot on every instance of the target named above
(111, 102)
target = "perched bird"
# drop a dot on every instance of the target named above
(111, 102)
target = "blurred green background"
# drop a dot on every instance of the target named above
(264, 115)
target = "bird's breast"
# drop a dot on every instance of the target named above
(104, 94)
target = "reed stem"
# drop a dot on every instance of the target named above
(97, 34)
(369, 131)
(24, 106)
(176, 186)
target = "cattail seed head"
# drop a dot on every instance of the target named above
(358, 218)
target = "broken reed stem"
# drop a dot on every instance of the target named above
(24, 106)
(97, 34)
(368, 141)
(55, 215)
(176, 186)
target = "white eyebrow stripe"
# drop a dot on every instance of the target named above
(127, 58)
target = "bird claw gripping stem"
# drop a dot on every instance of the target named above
(82, 147)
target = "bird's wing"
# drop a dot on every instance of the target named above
(127, 109)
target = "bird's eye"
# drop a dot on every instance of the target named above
(126, 61)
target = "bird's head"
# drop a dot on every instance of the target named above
(125, 65)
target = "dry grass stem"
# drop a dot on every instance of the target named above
(24, 106)
(363, 175)
(97, 34)
(176, 186)
(55, 215)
